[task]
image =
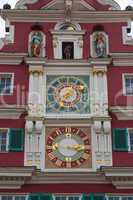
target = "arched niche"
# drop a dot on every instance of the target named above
(67, 41)
(37, 44)
(99, 44)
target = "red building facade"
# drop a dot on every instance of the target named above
(66, 101)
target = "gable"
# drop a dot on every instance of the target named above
(77, 5)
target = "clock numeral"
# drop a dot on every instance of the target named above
(68, 130)
(58, 131)
(51, 156)
(58, 163)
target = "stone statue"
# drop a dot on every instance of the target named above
(100, 45)
(36, 44)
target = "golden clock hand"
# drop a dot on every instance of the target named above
(76, 147)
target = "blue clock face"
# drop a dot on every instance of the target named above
(68, 94)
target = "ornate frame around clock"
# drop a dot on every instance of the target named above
(68, 148)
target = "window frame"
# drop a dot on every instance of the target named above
(129, 146)
(117, 196)
(12, 83)
(124, 83)
(14, 196)
(7, 142)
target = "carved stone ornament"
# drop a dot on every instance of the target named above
(35, 110)
(21, 4)
(114, 5)
(68, 9)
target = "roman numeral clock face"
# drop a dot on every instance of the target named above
(68, 94)
(68, 147)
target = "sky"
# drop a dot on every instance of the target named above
(122, 3)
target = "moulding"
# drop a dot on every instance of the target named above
(14, 177)
(11, 111)
(122, 59)
(35, 61)
(122, 112)
(67, 177)
(114, 5)
(72, 33)
(120, 177)
(53, 16)
(11, 58)
(21, 4)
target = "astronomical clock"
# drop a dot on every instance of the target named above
(68, 148)
(68, 94)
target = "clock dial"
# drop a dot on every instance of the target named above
(67, 94)
(68, 147)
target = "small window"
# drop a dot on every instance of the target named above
(12, 197)
(7, 29)
(128, 83)
(119, 198)
(64, 197)
(3, 148)
(130, 131)
(67, 50)
(6, 84)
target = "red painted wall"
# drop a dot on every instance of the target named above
(114, 31)
(21, 82)
(11, 159)
(116, 97)
(69, 188)
(21, 45)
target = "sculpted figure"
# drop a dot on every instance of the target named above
(36, 44)
(100, 45)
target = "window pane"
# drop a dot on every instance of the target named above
(5, 84)
(129, 85)
(3, 142)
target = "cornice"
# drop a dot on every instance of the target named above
(122, 112)
(122, 59)
(11, 111)
(120, 177)
(67, 177)
(11, 58)
(115, 59)
(54, 16)
(16, 177)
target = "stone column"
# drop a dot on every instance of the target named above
(100, 91)
(36, 102)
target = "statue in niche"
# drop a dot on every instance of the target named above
(100, 45)
(36, 44)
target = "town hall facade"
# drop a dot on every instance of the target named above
(66, 101)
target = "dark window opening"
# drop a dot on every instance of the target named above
(67, 50)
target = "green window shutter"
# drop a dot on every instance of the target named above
(120, 139)
(88, 196)
(16, 139)
(40, 196)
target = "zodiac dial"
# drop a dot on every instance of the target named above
(68, 147)
(68, 94)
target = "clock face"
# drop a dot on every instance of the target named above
(67, 94)
(68, 147)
